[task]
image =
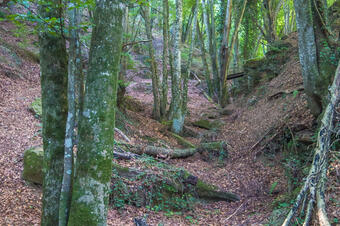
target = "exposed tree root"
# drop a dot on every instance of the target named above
(313, 190)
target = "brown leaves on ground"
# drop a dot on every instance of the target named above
(242, 173)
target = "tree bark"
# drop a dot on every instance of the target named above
(165, 59)
(95, 150)
(227, 58)
(53, 66)
(65, 197)
(308, 54)
(187, 75)
(212, 51)
(177, 115)
(155, 78)
(204, 61)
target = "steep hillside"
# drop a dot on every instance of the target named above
(269, 132)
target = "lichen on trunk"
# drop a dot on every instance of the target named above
(53, 66)
(95, 149)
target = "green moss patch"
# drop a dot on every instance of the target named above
(33, 160)
(36, 107)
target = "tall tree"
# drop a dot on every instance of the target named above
(73, 72)
(308, 53)
(53, 67)
(145, 10)
(187, 75)
(226, 53)
(95, 150)
(165, 58)
(212, 50)
(177, 116)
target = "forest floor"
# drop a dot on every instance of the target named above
(247, 172)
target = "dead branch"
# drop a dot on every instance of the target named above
(134, 43)
(282, 92)
(122, 134)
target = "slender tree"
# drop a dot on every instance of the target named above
(212, 50)
(177, 114)
(53, 67)
(165, 58)
(95, 150)
(187, 76)
(145, 10)
(65, 197)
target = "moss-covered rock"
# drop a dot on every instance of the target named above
(33, 161)
(206, 124)
(36, 107)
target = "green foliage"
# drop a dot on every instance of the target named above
(36, 107)
(329, 54)
(272, 187)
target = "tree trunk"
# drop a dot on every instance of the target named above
(94, 157)
(65, 197)
(224, 89)
(155, 78)
(308, 54)
(53, 66)
(313, 190)
(187, 76)
(177, 115)
(165, 59)
(212, 51)
(204, 61)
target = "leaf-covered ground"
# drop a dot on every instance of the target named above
(246, 172)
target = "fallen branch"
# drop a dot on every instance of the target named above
(134, 43)
(282, 92)
(314, 187)
(219, 148)
(122, 134)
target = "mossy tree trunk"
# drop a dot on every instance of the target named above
(145, 10)
(177, 114)
(187, 75)
(165, 59)
(95, 149)
(73, 72)
(226, 52)
(53, 66)
(212, 51)
(308, 53)
(204, 61)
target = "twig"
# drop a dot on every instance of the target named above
(134, 43)
(235, 212)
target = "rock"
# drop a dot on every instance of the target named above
(226, 111)
(206, 124)
(33, 162)
(210, 115)
(252, 101)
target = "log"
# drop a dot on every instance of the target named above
(313, 190)
(177, 183)
(164, 153)
(182, 141)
